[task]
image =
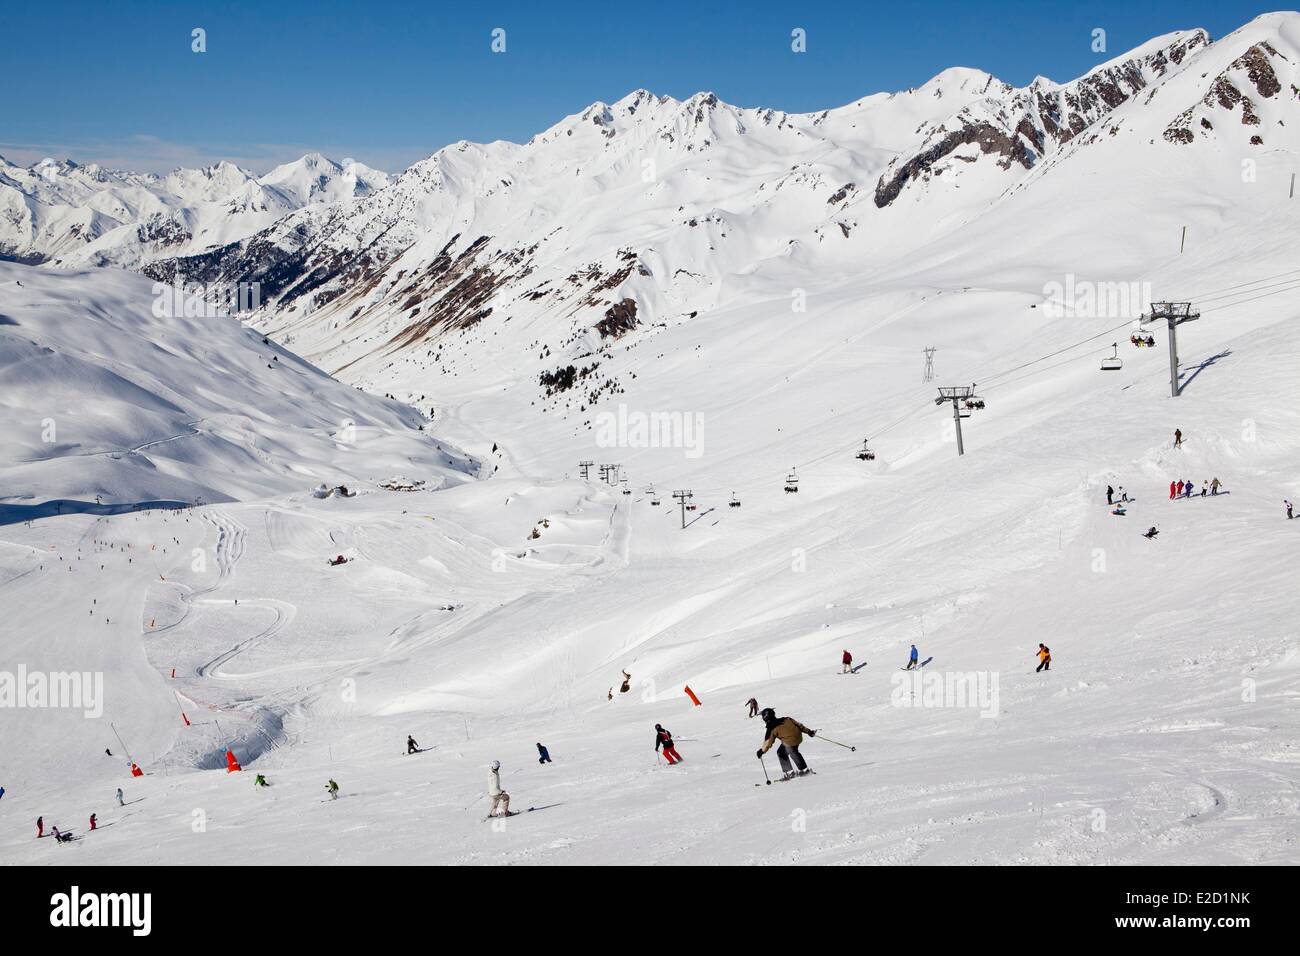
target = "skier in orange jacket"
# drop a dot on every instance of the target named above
(1045, 658)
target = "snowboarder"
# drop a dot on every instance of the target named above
(500, 799)
(543, 755)
(60, 837)
(665, 739)
(1179, 492)
(1288, 510)
(1044, 659)
(1178, 438)
(848, 662)
(40, 827)
(752, 704)
(1110, 495)
(1151, 532)
(1205, 488)
(1173, 490)
(260, 781)
(120, 801)
(92, 821)
(1215, 485)
(1123, 495)
(627, 683)
(790, 733)
(107, 751)
(1187, 488)
(411, 746)
(911, 661)
(333, 789)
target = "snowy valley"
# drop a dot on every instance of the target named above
(722, 301)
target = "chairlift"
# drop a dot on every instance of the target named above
(974, 402)
(654, 496)
(692, 507)
(1114, 363)
(791, 482)
(734, 502)
(866, 454)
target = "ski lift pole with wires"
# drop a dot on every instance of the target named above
(1174, 314)
(964, 400)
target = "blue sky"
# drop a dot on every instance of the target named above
(388, 83)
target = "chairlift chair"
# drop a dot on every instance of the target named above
(1113, 363)
(866, 454)
(734, 502)
(791, 482)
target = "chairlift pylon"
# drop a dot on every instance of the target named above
(1112, 363)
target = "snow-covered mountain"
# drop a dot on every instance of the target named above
(117, 392)
(651, 210)
(74, 216)
(723, 303)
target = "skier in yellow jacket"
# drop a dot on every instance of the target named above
(790, 733)
(1045, 658)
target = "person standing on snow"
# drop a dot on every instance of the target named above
(1288, 510)
(1215, 485)
(543, 755)
(411, 746)
(1044, 659)
(1179, 492)
(665, 739)
(500, 799)
(1187, 488)
(40, 827)
(333, 789)
(848, 662)
(120, 801)
(1173, 491)
(92, 821)
(752, 704)
(1110, 495)
(790, 733)
(911, 661)
(1178, 438)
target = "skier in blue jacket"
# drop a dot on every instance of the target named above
(543, 755)
(912, 660)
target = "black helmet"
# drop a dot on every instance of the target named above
(659, 726)
(767, 713)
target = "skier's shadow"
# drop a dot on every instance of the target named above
(127, 803)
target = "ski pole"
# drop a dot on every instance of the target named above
(764, 766)
(835, 742)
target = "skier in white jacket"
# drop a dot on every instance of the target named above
(500, 799)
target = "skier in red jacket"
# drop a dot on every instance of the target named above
(848, 662)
